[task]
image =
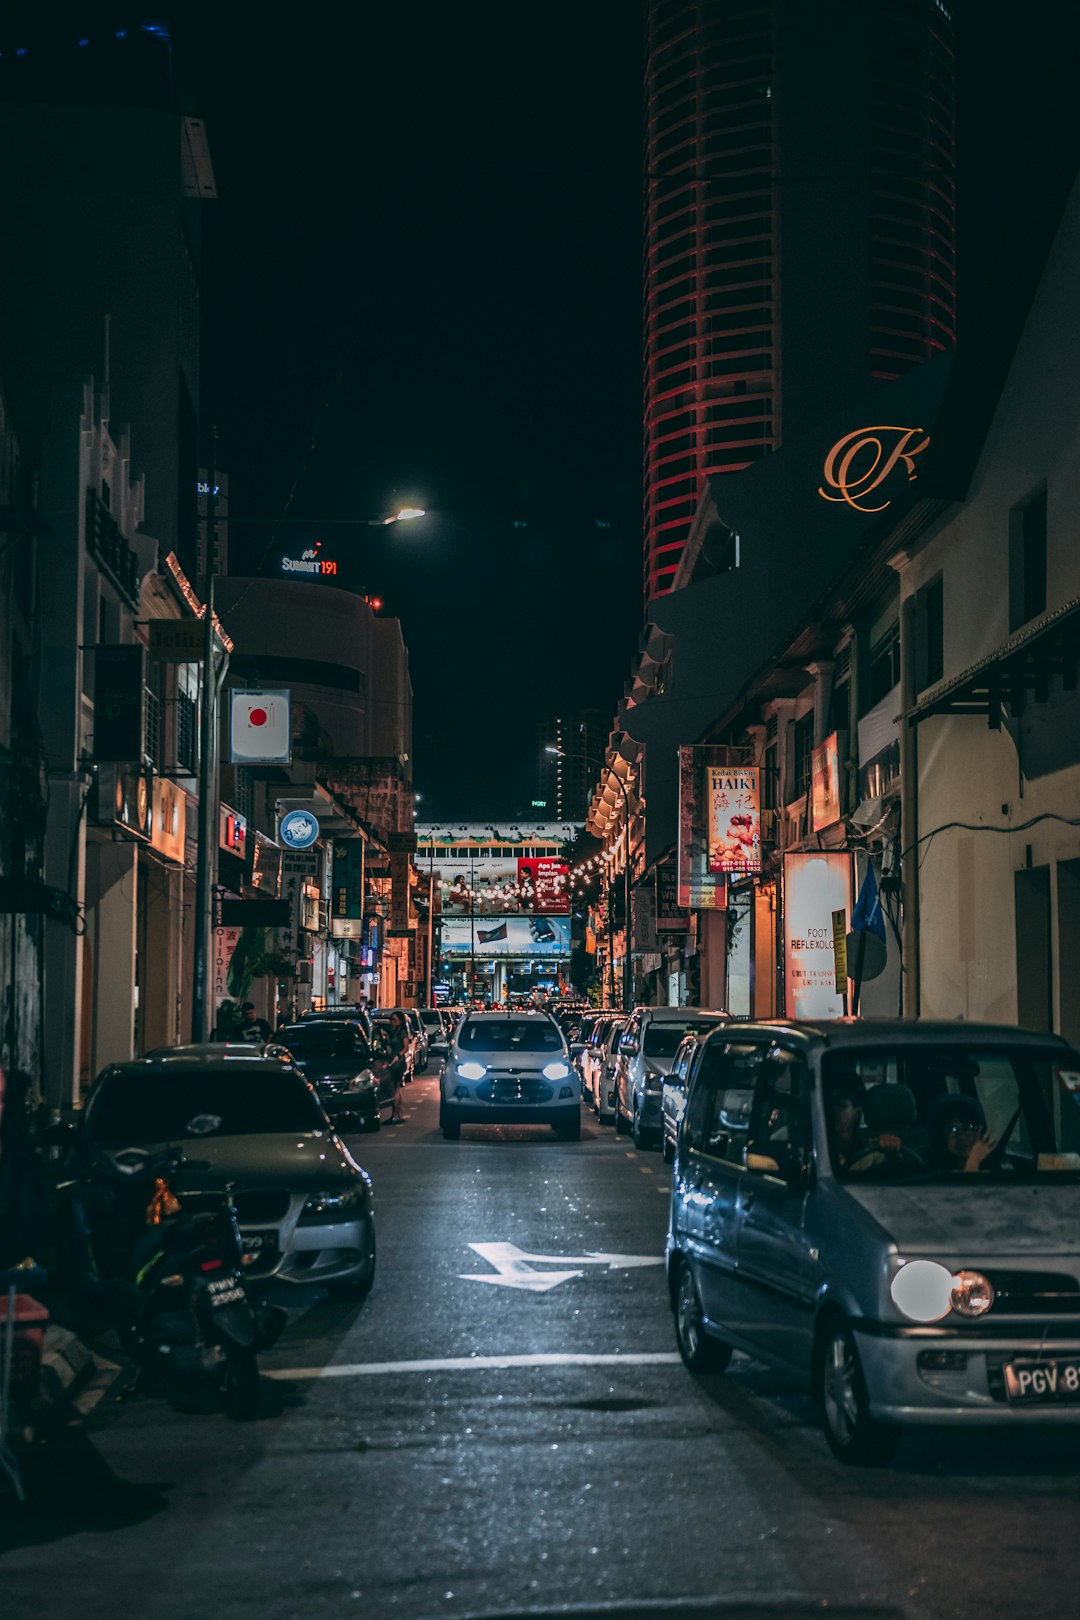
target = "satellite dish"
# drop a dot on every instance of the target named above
(866, 955)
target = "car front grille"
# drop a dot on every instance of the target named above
(1034, 1293)
(261, 1204)
(514, 1088)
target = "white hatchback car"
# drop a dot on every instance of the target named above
(646, 1052)
(510, 1068)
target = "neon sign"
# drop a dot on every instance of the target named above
(309, 562)
(859, 463)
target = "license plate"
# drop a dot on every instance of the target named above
(1029, 1383)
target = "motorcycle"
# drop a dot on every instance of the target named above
(168, 1265)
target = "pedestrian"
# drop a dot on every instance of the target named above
(397, 1037)
(23, 1192)
(252, 1028)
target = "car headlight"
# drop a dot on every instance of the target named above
(926, 1291)
(471, 1071)
(364, 1081)
(333, 1205)
(972, 1293)
(555, 1071)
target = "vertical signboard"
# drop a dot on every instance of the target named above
(401, 847)
(698, 887)
(225, 940)
(119, 698)
(260, 728)
(825, 784)
(347, 891)
(734, 818)
(670, 919)
(816, 885)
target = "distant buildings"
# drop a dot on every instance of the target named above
(800, 228)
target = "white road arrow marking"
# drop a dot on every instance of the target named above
(513, 1266)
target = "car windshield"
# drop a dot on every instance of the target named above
(927, 1113)
(510, 1035)
(312, 1041)
(663, 1038)
(169, 1105)
(431, 1018)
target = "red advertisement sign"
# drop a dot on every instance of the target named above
(544, 884)
(734, 825)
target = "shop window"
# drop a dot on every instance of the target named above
(801, 755)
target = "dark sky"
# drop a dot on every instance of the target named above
(428, 247)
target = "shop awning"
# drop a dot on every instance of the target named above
(1022, 669)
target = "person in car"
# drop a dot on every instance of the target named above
(850, 1137)
(890, 1113)
(959, 1139)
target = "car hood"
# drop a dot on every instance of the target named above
(298, 1160)
(988, 1218)
(330, 1068)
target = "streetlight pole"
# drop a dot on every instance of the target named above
(599, 765)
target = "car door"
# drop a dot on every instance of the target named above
(773, 1306)
(627, 1048)
(711, 1168)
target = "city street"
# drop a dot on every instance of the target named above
(504, 1426)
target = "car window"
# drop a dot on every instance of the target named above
(309, 1041)
(925, 1112)
(721, 1099)
(140, 1108)
(510, 1035)
(663, 1037)
(781, 1113)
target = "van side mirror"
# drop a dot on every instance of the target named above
(628, 1046)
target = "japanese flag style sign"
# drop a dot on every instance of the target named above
(259, 728)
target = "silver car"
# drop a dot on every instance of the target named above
(598, 1068)
(888, 1209)
(303, 1204)
(510, 1068)
(646, 1052)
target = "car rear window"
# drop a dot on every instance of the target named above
(510, 1035)
(663, 1037)
(138, 1109)
(324, 1041)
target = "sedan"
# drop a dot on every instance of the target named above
(303, 1203)
(346, 1069)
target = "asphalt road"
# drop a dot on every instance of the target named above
(490, 1434)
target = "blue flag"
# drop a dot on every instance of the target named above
(867, 914)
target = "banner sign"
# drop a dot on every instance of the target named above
(119, 699)
(669, 918)
(734, 824)
(698, 888)
(225, 940)
(399, 890)
(170, 819)
(175, 641)
(544, 885)
(260, 728)
(347, 893)
(816, 886)
(299, 863)
(825, 784)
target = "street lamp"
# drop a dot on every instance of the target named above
(599, 765)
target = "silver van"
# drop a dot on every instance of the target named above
(889, 1209)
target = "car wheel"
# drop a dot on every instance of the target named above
(700, 1353)
(635, 1130)
(852, 1434)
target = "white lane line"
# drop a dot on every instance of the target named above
(373, 1369)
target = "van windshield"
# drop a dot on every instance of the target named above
(919, 1112)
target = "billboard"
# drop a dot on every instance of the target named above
(816, 885)
(825, 783)
(544, 884)
(698, 887)
(734, 818)
(516, 936)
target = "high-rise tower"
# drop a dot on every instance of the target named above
(800, 227)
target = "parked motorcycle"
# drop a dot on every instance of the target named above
(168, 1265)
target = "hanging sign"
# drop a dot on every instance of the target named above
(825, 784)
(119, 697)
(734, 824)
(699, 888)
(259, 728)
(299, 829)
(347, 888)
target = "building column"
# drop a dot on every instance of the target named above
(161, 970)
(62, 1043)
(112, 891)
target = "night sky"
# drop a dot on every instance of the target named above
(427, 254)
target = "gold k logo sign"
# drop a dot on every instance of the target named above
(859, 463)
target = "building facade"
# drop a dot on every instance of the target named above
(800, 228)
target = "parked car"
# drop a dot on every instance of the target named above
(418, 1031)
(380, 1018)
(352, 1012)
(674, 1089)
(598, 1067)
(348, 1070)
(645, 1054)
(303, 1204)
(889, 1210)
(510, 1068)
(434, 1024)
